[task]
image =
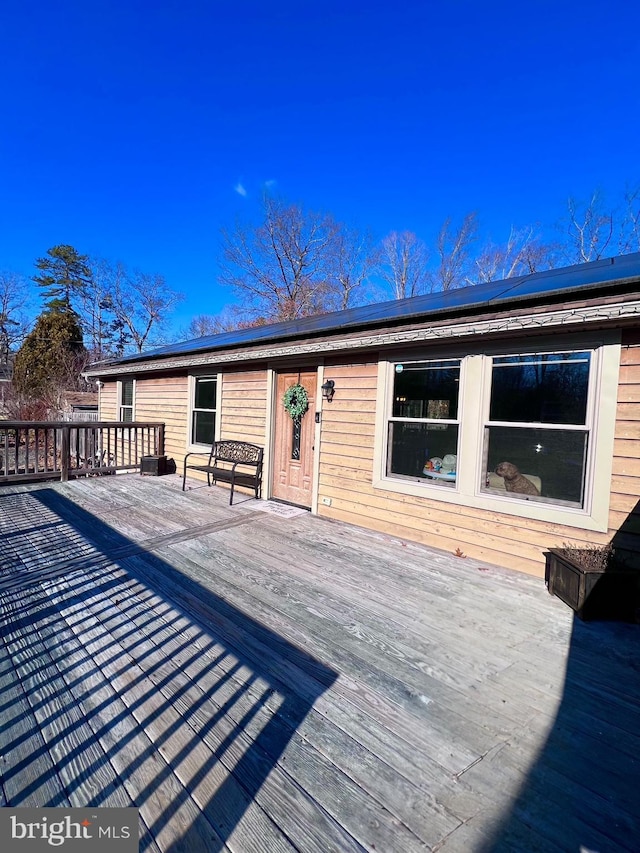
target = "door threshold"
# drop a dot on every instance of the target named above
(290, 503)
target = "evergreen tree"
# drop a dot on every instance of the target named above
(65, 275)
(50, 356)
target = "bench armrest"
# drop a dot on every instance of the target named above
(195, 453)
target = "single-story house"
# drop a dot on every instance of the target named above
(492, 421)
(79, 406)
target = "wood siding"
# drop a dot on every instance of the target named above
(346, 466)
(624, 512)
(166, 399)
(162, 399)
(244, 406)
(108, 402)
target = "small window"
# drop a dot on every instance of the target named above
(203, 410)
(126, 400)
(537, 437)
(423, 428)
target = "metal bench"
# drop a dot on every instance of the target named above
(236, 462)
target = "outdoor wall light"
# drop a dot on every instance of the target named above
(328, 390)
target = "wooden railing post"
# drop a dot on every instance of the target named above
(65, 452)
(160, 440)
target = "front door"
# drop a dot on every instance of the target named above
(293, 445)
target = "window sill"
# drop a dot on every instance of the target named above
(570, 516)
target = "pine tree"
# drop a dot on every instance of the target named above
(65, 275)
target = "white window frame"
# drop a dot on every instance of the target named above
(473, 412)
(121, 405)
(191, 445)
(408, 363)
(587, 427)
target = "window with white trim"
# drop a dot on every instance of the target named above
(126, 394)
(527, 432)
(423, 430)
(537, 435)
(203, 409)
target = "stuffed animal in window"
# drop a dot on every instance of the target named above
(514, 481)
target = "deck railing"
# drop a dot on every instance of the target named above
(61, 450)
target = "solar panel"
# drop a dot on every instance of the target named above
(581, 276)
(556, 281)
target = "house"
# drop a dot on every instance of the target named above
(79, 406)
(493, 421)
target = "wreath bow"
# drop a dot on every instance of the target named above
(295, 401)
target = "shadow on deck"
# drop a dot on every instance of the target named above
(581, 793)
(125, 682)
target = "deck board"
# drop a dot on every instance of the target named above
(380, 671)
(29, 774)
(253, 683)
(313, 768)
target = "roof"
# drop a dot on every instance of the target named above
(549, 285)
(81, 399)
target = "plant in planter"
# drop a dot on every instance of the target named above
(594, 580)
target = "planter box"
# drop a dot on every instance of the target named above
(153, 466)
(613, 593)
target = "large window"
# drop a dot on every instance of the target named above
(203, 409)
(527, 432)
(536, 438)
(126, 394)
(423, 428)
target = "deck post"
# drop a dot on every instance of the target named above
(65, 446)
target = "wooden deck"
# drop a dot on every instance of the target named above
(254, 683)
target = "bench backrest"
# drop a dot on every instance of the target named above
(237, 451)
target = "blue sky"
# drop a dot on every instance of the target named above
(129, 126)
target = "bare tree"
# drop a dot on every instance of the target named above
(403, 264)
(453, 248)
(354, 258)
(201, 326)
(280, 270)
(629, 238)
(523, 253)
(141, 304)
(125, 309)
(96, 310)
(589, 228)
(18, 406)
(14, 323)
(231, 317)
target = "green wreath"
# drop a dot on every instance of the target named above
(296, 401)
